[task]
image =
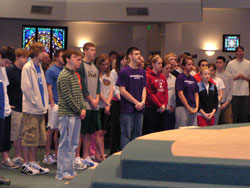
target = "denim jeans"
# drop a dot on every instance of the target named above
(69, 127)
(131, 127)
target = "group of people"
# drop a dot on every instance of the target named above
(83, 95)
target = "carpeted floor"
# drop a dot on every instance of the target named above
(19, 180)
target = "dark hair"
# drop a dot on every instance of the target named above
(222, 58)
(113, 52)
(187, 53)
(131, 49)
(240, 47)
(69, 53)
(199, 63)
(8, 53)
(181, 57)
(57, 53)
(119, 58)
(212, 65)
(184, 62)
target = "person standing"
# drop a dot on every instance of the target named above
(71, 111)
(170, 109)
(51, 79)
(132, 85)
(239, 68)
(7, 57)
(187, 97)
(157, 97)
(91, 92)
(35, 106)
(121, 61)
(226, 106)
(208, 100)
(15, 95)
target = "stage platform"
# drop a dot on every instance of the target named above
(216, 156)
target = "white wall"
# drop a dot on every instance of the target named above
(216, 22)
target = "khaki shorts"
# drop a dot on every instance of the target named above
(34, 132)
(16, 125)
(53, 121)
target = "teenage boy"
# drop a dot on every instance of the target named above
(7, 56)
(201, 64)
(71, 111)
(239, 68)
(226, 107)
(15, 96)
(187, 97)
(132, 85)
(91, 92)
(35, 105)
(51, 78)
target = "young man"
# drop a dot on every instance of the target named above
(35, 105)
(201, 64)
(15, 96)
(187, 97)
(45, 61)
(226, 107)
(71, 111)
(91, 92)
(51, 79)
(7, 56)
(239, 68)
(132, 85)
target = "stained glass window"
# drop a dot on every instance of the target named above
(58, 39)
(230, 43)
(53, 38)
(44, 37)
(29, 36)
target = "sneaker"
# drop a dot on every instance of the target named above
(9, 164)
(87, 161)
(4, 181)
(65, 178)
(49, 159)
(54, 157)
(79, 165)
(39, 168)
(28, 170)
(18, 161)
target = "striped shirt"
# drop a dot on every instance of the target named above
(70, 98)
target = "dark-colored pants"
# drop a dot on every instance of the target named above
(5, 144)
(169, 120)
(153, 121)
(115, 127)
(240, 109)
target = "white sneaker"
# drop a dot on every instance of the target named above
(18, 161)
(28, 170)
(78, 164)
(89, 162)
(39, 168)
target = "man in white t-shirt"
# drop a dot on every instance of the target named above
(239, 68)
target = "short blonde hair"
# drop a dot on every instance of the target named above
(168, 55)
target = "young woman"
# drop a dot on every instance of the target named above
(220, 87)
(121, 61)
(208, 100)
(187, 97)
(170, 109)
(106, 94)
(157, 97)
